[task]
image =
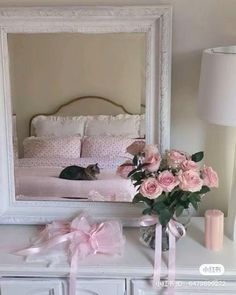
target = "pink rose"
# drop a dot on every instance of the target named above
(152, 158)
(136, 147)
(189, 165)
(167, 181)
(150, 188)
(210, 177)
(190, 181)
(151, 149)
(153, 162)
(175, 158)
(124, 169)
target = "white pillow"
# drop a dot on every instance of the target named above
(121, 125)
(52, 147)
(58, 125)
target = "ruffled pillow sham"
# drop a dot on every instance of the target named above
(58, 125)
(131, 126)
(120, 125)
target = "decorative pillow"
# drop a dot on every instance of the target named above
(51, 147)
(58, 125)
(120, 125)
(103, 146)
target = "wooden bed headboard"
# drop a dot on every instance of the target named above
(86, 105)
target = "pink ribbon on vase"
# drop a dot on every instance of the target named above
(83, 237)
(172, 229)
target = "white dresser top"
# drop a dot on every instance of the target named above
(137, 260)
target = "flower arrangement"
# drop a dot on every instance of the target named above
(167, 183)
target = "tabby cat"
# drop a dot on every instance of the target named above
(80, 173)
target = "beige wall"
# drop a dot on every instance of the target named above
(197, 24)
(47, 70)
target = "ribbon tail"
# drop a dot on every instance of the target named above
(44, 246)
(73, 272)
(43, 236)
(158, 253)
(171, 264)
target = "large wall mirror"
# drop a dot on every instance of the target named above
(78, 86)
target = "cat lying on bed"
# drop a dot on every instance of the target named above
(80, 173)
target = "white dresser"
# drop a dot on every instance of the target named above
(106, 275)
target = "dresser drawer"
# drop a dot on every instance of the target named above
(22, 286)
(27, 286)
(143, 287)
(100, 287)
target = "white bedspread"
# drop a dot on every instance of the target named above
(38, 179)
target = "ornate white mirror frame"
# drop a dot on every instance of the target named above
(155, 22)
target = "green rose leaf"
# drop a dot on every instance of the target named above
(161, 198)
(174, 192)
(195, 196)
(197, 157)
(194, 203)
(165, 216)
(205, 189)
(179, 210)
(140, 198)
(147, 211)
(159, 206)
(185, 197)
(132, 172)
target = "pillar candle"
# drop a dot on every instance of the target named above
(214, 229)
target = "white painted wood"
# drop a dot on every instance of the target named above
(155, 22)
(26, 286)
(100, 287)
(136, 262)
(30, 287)
(99, 273)
(191, 287)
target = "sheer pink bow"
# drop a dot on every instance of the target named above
(83, 238)
(174, 233)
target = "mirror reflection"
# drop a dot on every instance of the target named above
(78, 102)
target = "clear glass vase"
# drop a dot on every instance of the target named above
(147, 233)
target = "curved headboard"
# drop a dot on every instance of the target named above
(86, 105)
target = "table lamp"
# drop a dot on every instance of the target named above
(217, 105)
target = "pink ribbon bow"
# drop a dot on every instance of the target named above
(172, 229)
(83, 237)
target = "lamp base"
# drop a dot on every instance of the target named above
(230, 224)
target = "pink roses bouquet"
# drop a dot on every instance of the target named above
(168, 183)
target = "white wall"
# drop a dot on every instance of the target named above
(197, 24)
(47, 70)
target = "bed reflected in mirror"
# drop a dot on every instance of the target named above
(78, 102)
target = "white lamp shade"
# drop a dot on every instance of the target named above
(217, 88)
